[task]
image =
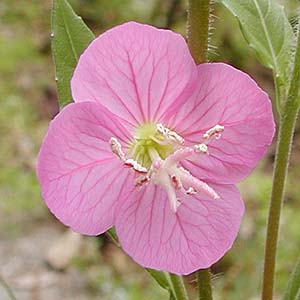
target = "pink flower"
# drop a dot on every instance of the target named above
(154, 146)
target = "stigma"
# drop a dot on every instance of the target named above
(163, 150)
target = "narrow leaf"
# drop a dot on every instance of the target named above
(293, 287)
(162, 278)
(113, 235)
(267, 30)
(70, 36)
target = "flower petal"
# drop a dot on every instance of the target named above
(224, 95)
(134, 70)
(194, 238)
(77, 169)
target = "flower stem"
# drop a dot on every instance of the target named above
(204, 284)
(284, 143)
(179, 287)
(283, 149)
(198, 35)
(198, 29)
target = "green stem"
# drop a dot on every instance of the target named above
(204, 284)
(179, 287)
(284, 143)
(198, 29)
(198, 35)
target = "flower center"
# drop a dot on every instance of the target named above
(156, 153)
(150, 138)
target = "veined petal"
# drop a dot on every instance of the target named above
(76, 168)
(136, 71)
(194, 238)
(226, 96)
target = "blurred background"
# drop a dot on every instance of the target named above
(39, 258)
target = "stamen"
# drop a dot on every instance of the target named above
(201, 148)
(191, 191)
(169, 135)
(116, 148)
(135, 165)
(176, 182)
(142, 180)
(214, 132)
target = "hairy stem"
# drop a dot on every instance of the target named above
(198, 33)
(284, 144)
(204, 284)
(198, 29)
(178, 287)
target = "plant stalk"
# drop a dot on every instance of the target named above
(198, 35)
(204, 284)
(198, 29)
(284, 143)
(179, 287)
(283, 149)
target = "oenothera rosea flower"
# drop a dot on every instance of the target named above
(154, 146)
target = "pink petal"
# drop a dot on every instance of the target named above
(195, 237)
(224, 95)
(77, 169)
(136, 71)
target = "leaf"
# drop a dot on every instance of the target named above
(113, 235)
(293, 287)
(162, 278)
(267, 30)
(70, 36)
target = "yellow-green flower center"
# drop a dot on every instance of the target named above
(147, 139)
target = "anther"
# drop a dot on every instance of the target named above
(116, 148)
(201, 148)
(176, 182)
(191, 191)
(136, 166)
(169, 135)
(214, 132)
(142, 180)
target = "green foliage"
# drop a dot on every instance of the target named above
(292, 291)
(162, 278)
(267, 30)
(70, 36)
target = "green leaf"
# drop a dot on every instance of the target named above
(162, 278)
(293, 287)
(267, 30)
(113, 235)
(70, 36)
